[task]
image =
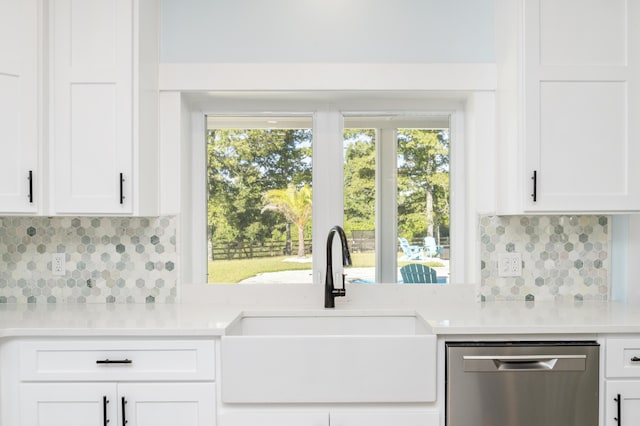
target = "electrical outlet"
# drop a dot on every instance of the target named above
(58, 264)
(509, 264)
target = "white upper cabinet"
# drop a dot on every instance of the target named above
(103, 106)
(92, 109)
(20, 176)
(568, 102)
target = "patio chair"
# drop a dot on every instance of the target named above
(415, 273)
(410, 252)
(430, 247)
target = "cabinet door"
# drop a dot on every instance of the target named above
(582, 100)
(385, 418)
(68, 404)
(18, 105)
(92, 101)
(274, 418)
(622, 402)
(167, 404)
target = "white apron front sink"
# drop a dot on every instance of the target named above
(328, 357)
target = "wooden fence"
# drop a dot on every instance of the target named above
(254, 249)
(360, 241)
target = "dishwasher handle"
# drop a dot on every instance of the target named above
(506, 363)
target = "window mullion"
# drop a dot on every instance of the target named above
(386, 206)
(328, 182)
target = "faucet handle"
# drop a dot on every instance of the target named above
(339, 292)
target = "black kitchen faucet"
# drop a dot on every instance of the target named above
(330, 292)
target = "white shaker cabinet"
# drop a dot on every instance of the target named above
(132, 382)
(622, 384)
(103, 106)
(293, 417)
(622, 402)
(167, 404)
(133, 404)
(405, 417)
(371, 416)
(568, 100)
(53, 404)
(20, 176)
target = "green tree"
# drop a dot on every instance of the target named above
(242, 165)
(359, 179)
(295, 204)
(423, 182)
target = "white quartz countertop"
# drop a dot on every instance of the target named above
(114, 320)
(534, 318)
(212, 320)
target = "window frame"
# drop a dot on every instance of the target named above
(386, 126)
(328, 167)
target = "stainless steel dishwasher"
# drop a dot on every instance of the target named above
(522, 383)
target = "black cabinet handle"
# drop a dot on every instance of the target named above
(121, 188)
(30, 178)
(105, 419)
(618, 419)
(635, 359)
(534, 178)
(114, 361)
(124, 412)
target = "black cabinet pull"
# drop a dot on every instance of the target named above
(30, 178)
(114, 361)
(105, 419)
(534, 178)
(121, 188)
(635, 359)
(619, 418)
(124, 412)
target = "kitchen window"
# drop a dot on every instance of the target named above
(330, 139)
(259, 199)
(418, 188)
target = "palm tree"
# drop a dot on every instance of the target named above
(295, 204)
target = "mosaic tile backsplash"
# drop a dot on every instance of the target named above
(107, 260)
(563, 257)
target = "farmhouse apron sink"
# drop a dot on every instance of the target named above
(328, 357)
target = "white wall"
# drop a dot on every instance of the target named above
(330, 45)
(231, 48)
(343, 31)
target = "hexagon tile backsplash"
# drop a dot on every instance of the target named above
(563, 257)
(107, 259)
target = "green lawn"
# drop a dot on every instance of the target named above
(233, 271)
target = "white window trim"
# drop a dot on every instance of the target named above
(327, 176)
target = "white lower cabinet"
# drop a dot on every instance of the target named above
(53, 404)
(622, 385)
(622, 402)
(329, 417)
(385, 418)
(133, 404)
(115, 382)
(167, 404)
(274, 418)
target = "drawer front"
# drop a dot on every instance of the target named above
(623, 358)
(117, 359)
